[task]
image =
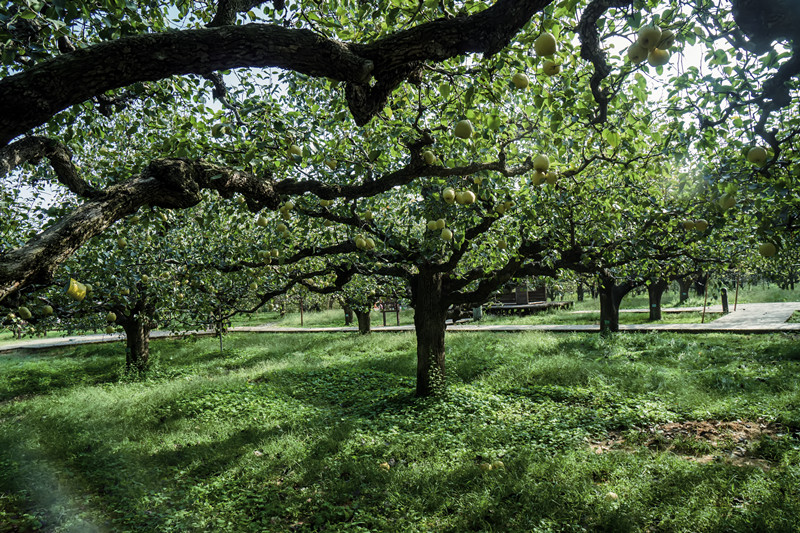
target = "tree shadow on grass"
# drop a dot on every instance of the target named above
(59, 369)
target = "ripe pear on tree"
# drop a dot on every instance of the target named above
(545, 45)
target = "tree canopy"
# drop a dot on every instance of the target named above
(574, 134)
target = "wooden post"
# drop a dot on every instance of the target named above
(705, 301)
(397, 310)
(736, 298)
(383, 312)
(301, 311)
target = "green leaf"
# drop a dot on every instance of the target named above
(612, 138)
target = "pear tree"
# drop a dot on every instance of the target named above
(377, 113)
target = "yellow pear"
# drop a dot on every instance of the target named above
(667, 40)
(545, 45)
(757, 155)
(649, 36)
(541, 163)
(658, 57)
(76, 290)
(637, 53)
(551, 68)
(463, 129)
(520, 80)
(767, 250)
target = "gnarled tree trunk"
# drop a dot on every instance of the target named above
(700, 284)
(654, 293)
(137, 351)
(611, 295)
(684, 284)
(364, 321)
(430, 313)
(137, 325)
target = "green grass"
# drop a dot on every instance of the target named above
(335, 318)
(288, 432)
(7, 337)
(568, 317)
(749, 294)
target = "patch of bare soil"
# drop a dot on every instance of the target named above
(700, 441)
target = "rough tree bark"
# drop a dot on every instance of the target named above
(364, 322)
(137, 325)
(611, 295)
(700, 284)
(684, 284)
(654, 293)
(32, 97)
(430, 313)
(137, 350)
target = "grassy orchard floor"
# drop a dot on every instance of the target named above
(335, 317)
(289, 432)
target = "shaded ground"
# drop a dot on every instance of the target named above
(749, 318)
(703, 441)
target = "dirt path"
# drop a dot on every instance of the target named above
(748, 318)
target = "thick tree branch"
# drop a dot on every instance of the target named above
(32, 149)
(399, 56)
(30, 98)
(591, 51)
(228, 9)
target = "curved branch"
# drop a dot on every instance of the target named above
(32, 97)
(228, 9)
(32, 149)
(177, 184)
(591, 51)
